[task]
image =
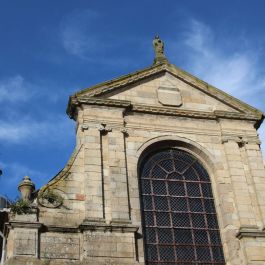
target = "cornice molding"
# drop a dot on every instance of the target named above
(76, 101)
(194, 114)
(250, 232)
(61, 229)
(18, 224)
(129, 107)
(124, 228)
(123, 81)
(92, 226)
(240, 138)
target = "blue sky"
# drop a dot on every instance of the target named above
(51, 49)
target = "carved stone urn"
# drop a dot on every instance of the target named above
(26, 187)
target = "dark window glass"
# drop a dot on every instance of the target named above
(179, 217)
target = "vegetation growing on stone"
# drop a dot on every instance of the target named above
(21, 207)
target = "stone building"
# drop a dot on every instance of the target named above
(167, 169)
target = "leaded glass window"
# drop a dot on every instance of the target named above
(179, 218)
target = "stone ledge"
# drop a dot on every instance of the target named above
(30, 225)
(93, 226)
(53, 228)
(120, 221)
(250, 232)
(217, 114)
(114, 227)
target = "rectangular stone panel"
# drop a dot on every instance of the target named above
(25, 242)
(109, 244)
(60, 246)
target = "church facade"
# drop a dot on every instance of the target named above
(167, 169)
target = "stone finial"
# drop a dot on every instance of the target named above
(158, 45)
(26, 187)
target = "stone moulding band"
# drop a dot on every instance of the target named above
(125, 80)
(124, 228)
(244, 232)
(129, 107)
(161, 68)
(109, 227)
(15, 224)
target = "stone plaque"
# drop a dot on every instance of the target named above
(169, 96)
(60, 246)
(108, 244)
(25, 242)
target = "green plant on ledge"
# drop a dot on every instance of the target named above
(52, 197)
(21, 207)
(47, 260)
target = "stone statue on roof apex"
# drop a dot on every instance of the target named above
(158, 45)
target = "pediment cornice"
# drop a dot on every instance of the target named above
(171, 111)
(98, 94)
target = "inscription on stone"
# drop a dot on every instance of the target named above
(25, 243)
(107, 244)
(60, 246)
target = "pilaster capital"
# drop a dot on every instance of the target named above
(104, 128)
(124, 130)
(84, 127)
(233, 138)
(241, 140)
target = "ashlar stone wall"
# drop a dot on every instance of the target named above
(100, 222)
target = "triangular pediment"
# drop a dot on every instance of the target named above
(167, 86)
(169, 91)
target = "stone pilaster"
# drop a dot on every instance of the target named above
(240, 185)
(94, 204)
(115, 174)
(118, 176)
(255, 173)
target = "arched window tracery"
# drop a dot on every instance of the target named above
(179, 218)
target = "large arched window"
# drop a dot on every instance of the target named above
(179, 217)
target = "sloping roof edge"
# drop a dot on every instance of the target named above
(120, 82)
(62, 173)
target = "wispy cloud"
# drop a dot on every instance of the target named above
(77, 33)
(13, 174)
(19, 125)
(16, 89)
(237, 70)
(28, 130)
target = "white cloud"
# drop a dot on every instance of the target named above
(16, 89)
(13, 174)
(77, 33)
(16, 126)
(237, 71)
(27, 130)
(18, 171)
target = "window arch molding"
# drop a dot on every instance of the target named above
(182, 143)
(202, 155)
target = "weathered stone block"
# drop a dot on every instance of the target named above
(60, 246)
